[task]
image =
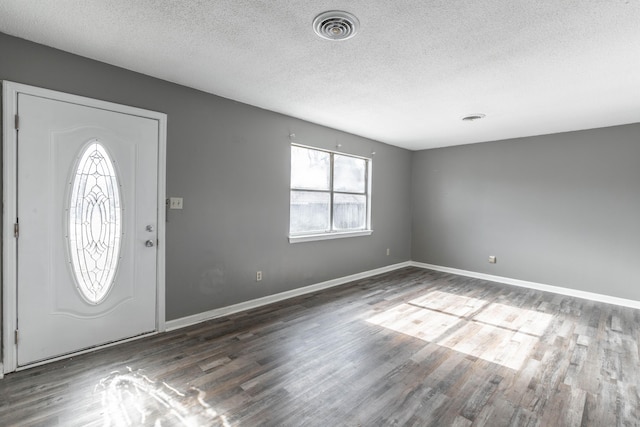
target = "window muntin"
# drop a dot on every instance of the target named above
(329, 192)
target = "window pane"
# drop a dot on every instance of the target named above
(95, 224)
(310, 169)
(309, 212)
(349, 212)
(348, 174)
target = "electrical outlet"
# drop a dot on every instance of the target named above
(388, 251)
(492, 259)
(258, 276)
(175, 202)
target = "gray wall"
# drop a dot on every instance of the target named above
(560, 209)
(230, 162)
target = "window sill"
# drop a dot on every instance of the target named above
(328, 236)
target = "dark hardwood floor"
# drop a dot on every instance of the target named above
(411, 347)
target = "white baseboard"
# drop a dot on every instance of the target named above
(259, 302)
(533, 285)
(255, 303)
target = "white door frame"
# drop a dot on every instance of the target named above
(10, 91)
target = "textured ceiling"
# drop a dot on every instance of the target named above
(407, 78)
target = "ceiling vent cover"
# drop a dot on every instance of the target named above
(336, 25)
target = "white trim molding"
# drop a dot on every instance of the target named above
(270, 299)
(259, 302)
(9, 198)
(533, 285)
(327, 236)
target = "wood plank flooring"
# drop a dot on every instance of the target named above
(410, 347)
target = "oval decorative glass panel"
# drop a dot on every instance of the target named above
(95, 223)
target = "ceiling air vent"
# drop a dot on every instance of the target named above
(336, 25)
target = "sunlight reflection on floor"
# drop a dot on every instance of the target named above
(132, 399)
(494, 332)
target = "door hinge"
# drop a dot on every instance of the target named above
(16, 230)
(16, 337)
(17, 122)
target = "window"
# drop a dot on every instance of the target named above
(330, 195)
(95, 223)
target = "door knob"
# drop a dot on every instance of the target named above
(149, 243)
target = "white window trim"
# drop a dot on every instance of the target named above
(329, 235)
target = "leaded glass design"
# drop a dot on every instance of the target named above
(95, 223)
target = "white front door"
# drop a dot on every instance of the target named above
(87, 209)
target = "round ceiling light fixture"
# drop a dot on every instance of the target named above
(473, 117)
(336, 25)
